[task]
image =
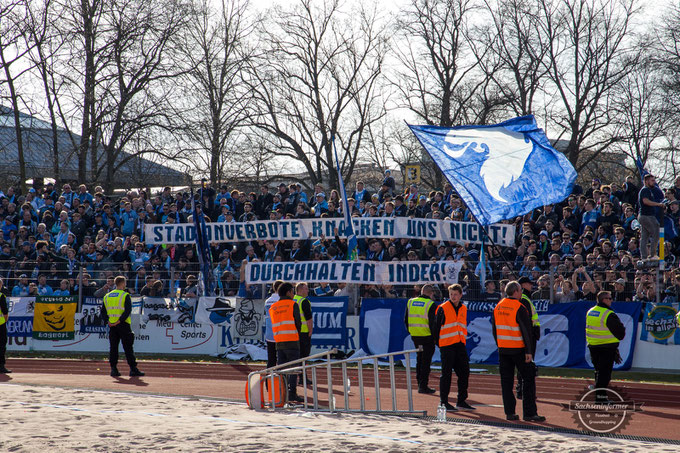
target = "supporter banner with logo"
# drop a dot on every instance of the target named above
(660, 325)
(53, 317)
(362, 272)
(215, 310)
(562, 343)
(91, 318)
(364, 227)
(330, 321)
(167, 310)
(20, 322)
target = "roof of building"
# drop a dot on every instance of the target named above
(39, 156)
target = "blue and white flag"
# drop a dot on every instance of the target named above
(352, 242)
(501, 170)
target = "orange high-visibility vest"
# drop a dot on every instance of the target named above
(508, 334)
(454, 329)
(283, 322)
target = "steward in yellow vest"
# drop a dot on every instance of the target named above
(604, 330)
(451, 334)
(4, 314)
(116, 309)
(420, 321)
(306, 322)
(527, 287)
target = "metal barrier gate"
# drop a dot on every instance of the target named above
(288, 368)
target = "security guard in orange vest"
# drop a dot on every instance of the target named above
(420, 320)
(4, 314)
(604, 331)
(511, 325)
(451, 334)
(116, 308)
(286, 325)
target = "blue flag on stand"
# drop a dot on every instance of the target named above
(501, 170)
(202, 249)
(352, 242)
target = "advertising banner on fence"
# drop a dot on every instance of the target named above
(167, 309)
(562, 343)
(660, 325)
(363, 272)
(364, 227)
(20, 322)
(53, 317)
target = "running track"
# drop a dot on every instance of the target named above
(659, 419)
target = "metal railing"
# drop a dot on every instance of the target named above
(287, 369)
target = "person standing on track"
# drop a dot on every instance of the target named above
(306, 322)
(117, 308)
(527, 288)
(420, 321)
(286, 325)
(451, 333)
(268, 332)
(604, 330)
(4, 316)
(511, 327)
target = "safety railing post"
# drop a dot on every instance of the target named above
(344, 385)
(314, 385)
(392, 384)
(376, 379)
(362, 400)
(331, 401)
(408, 382)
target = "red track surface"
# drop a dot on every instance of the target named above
(661, 410)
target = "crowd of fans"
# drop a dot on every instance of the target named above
(60, 241)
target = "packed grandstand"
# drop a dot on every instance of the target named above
(71, 240)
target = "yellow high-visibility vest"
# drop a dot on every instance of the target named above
(418, 320)
(597, 332)
(115, 305)
(303, 328)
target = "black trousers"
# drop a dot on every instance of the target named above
(506, 366)
(423, 360)
(305, 344)
(3, 343)
(122, 333)
(603, 362)
(454, 358)
(271, 354)
(519, 375)
(288, 355)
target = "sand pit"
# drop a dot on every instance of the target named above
(49, 419)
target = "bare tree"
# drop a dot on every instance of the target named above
(119, 54)
(44, 43)
(439, 76)
(215, 52)
(319, 78)
(12, 53)
(590, 53)
(515, 54)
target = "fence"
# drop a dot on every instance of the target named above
(557, 284)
